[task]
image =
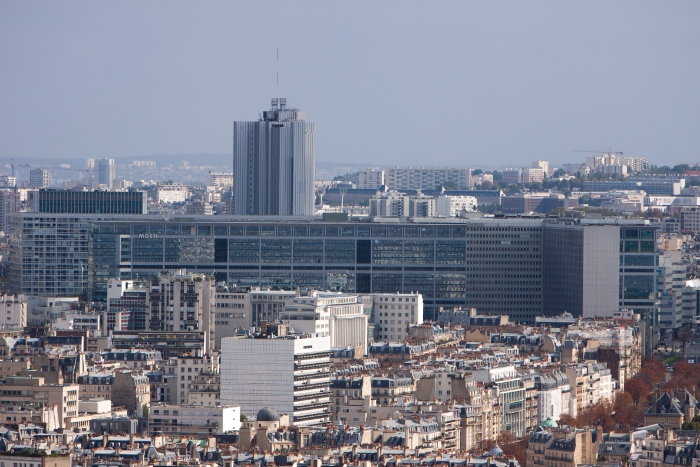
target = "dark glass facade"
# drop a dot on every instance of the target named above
(91, 202)
(493, 264)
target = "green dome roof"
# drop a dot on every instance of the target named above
(549, 423)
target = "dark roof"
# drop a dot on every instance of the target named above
(666, 405)
(267, 414)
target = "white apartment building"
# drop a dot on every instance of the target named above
(451, 206)
(544, 165)
(290, 374)
(370, 179)
(394, 314)
(636, 164)
(427, 178)
(336, 315)
(175, 193)
(390, 204)
(511, 392)
(193, 379)
(224, 179)
(13, 312)
(233, 311)
(533, 174)
(194, 419)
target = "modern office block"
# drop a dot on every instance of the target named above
(290, 374)
(106, 172)
(596, 267)
(91, 202)
(493, 264)
(9, 201)
(581, 270)
(274, 163)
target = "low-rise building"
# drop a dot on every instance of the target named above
(194, 419)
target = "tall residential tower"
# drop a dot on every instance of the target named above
(274, 163)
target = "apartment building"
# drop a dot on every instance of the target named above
(552, 447)
(13, 311)
(394, 314)
(351, 400)
(193, 379)
(451, 206)
(426, 178)
(131, 390)
(223, 179)
(233, 312)
(182, 302)
(20, 391)
(512, 396)
(96, 385)
(370, 179)
(593, 383)
(173, 193)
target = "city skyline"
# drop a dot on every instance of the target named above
(498, 82)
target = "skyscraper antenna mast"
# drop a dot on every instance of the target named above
(277, 92)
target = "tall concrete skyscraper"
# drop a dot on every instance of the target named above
(274, 163)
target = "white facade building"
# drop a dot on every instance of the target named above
(289, 374)
(175, 193)
(194, 419)
(544, 165)
(233, 312)
(14, 311)
(224, 179)
(533, 175)
(451, 206)
(337, 315)
(394, 314)
(370, 179)
(390, 204)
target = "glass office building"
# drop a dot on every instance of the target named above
(499, 265)
(90, 202)
(493, 264)
(595, 267)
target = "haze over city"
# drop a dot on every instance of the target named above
(388, 83)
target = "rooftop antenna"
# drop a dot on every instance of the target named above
(277, 91)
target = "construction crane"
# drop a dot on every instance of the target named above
(87, 176)
(609, 151)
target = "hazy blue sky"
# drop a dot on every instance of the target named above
(481, 84)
